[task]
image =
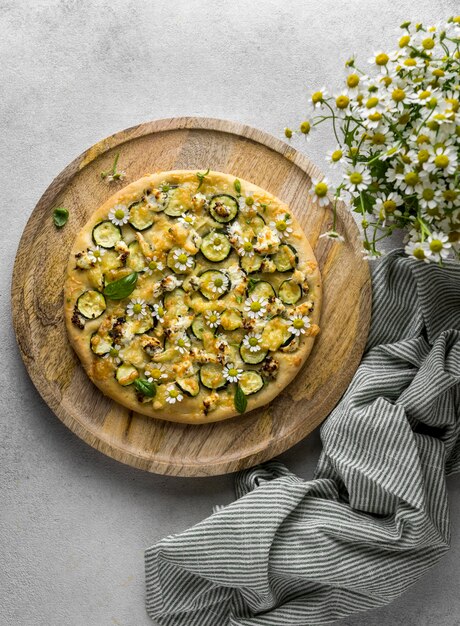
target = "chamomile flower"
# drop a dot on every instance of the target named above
(187, 219)
(219, 284)
(251, 341)
(119, 215)
(443, 159)
(255, 307)
(217, 241)
(318, 97)
(183, 261)
(319, 190)
(379, 59)
(248, 203)
(159, 312)
(428, 196)
(155, 372)
(335, 157)
(417, 250)
(386, 204)
(114, 354)
(245, 247)
(438, 246)
(409, 180)
(282, 226)
(299, 324)
(95, 254)
(137, 308)
(153, 265)
(173, 394)
(450, 195)
(357, 178)
(212, 318)
(232, 373)
(182, 343)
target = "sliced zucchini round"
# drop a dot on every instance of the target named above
(190, 385)
(176, 203)
(126, 374)
(100, 345)
(106, 234)
(91, 304)
(211, 376)
(261, 289)
(252, 357)
(139, 327)
(251, 264)
(256, 223)
(215, 246)
(175, 264)
(141, 216)
(231, 319)
(136, 260)
(223, 208)
(290, 292)
(214, 284)
(286, 258)
(198, 327)
(275, 334)
(250, 382)
(174, 302)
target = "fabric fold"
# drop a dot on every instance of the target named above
(290, 552)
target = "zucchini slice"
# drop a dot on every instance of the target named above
(178, 201)
(211, 376)
(286, 258)
(214, 284)
(223, 208)
(256, 223)
(215, 246)
(198, 327)
(100, 345)
(250, 382)
(231, 319)
(261, 289)
(275, 334)
(91, 304)
(126, 374)
(106, 234)
(136, 260)
(174, 302)
(290, 292)
(139, 327)
(252, 357)
(251, 264)
(141, 216)
(190, 385)
(175, 264)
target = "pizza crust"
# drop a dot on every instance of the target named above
(190, 409)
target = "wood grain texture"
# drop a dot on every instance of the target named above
(168, 447)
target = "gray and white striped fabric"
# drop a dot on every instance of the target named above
(289, 552)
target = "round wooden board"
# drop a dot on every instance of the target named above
(167, 447)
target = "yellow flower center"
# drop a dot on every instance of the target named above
(386, 80)
(181, 343)
(218, 282)
(442, 161)
(97, 253)
(372, 102)
(113, 352)
(423, 156)
(389, 206)
(342, 101)
(298, 323)
(247, 247)
(336, 155)
(428, 194)
(375, 117)
(161, 311)
(281, 225)
(418, 253)
(436, 245)
(137, 308)
(233, 371)
(356, 178)
(173, 393)
(423, 95)
(321, 190)
(353, 151)
(404, 119)
(317, 97)
(155, 373)
(404, 41)
(249, 200)
(449, 195)
(428, 43)
(255, 307)
(253, 341)
(352, 80)
(182, 258)
(410, 62)
(411, 178)
(119, 214)
(454, 104)
(398, 95)
(438, 72)
(153, 265)
(378, 139)
(213, 318)
(382, 59)
(422, 139)
(305, 127)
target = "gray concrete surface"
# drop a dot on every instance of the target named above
(74, 524)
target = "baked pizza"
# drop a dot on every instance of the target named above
(192, 296)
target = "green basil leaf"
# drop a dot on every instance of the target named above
(143, 386)
(237, 185)
(252, 282)
(240, 400)
(60, 216)
(122, 288)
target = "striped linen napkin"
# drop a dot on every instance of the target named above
(290, 552)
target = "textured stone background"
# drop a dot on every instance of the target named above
(74, 524)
